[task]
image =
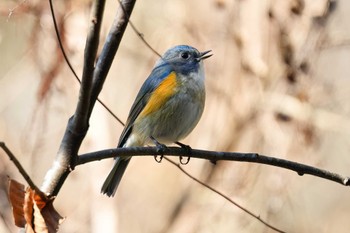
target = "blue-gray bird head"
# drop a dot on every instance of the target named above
(183, 58)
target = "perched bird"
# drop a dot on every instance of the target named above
(167, 107)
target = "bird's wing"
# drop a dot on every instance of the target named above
(158, 75)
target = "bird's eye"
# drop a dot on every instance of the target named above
(185, 55)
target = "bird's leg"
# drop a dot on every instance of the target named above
(161, 148)
(188, 150)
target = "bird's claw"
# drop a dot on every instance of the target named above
(158, 160)
(188, 151)
(186, 162)
(161, 149)
(184, 146)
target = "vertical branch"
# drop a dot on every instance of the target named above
(81, 116)
(91, 86)
(110, 48)
(78, 124)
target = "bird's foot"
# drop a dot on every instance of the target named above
(188, 152)
(161, 149)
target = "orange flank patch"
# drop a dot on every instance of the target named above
(161, 94)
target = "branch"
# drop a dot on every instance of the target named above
(91, 86)
(301, 169)
(138, 33)
(69, 63)
(22, 171)
(224, 196)
(60, 41)
(110, 48)
(81, 115)
(78, 124)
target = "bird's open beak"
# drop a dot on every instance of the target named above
(203, 55)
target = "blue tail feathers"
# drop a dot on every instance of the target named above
(113, 179)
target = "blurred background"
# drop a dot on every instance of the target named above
(278, 84)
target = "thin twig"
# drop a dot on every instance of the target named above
(81, 115)
(138, 33)
(69, 63)
(23, 172)
(300, 168)
(224, 196)
(60, 41)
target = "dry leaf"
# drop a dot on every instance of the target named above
(16, 195)
(48, 219)
(28, 210)
(31, 211)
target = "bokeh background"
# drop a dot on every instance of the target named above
(278, 84)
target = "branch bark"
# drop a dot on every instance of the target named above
(257, 217)
(91, 85)
(300, 168)
(110, 48)
(22, 171)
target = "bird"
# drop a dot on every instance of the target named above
(166, 109)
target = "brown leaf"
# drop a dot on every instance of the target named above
(31, 211)
(39, 201)
(28, 210)
(16, 195)
(47, 220)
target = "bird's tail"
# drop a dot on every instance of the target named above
(112, 181)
